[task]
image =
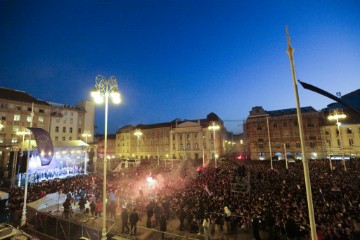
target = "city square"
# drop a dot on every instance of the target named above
(179, 120)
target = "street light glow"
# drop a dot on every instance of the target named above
(103, 90)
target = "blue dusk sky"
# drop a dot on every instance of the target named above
(180, 58)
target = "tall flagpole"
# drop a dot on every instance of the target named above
(23, 218)
(290, 52)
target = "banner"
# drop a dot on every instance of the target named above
(44, 145)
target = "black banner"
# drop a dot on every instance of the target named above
(44, 145)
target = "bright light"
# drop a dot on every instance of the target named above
(138, 133)
(151, 182)
(115, 96)
(334, 117)
(214, 127)
(22, 133)
(97, 96)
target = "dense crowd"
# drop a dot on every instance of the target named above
(202, 198)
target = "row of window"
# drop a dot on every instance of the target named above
(63, 138)
(348, 131)
(19, 107)
(285, 124)
(351, 142)
(64, 130)
(17, 118)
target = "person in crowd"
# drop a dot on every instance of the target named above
(92, 207)
(124, 220)
(291, 228)
(255, 226)
(162, 222)
(67, 206)
(149, 214)
(98, 208)
(82, 203)
(206, 227)
(181, 216)
(134, 218)
(227, 217)
(157, 213)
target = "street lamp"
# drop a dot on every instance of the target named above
(336, 114)
(103, 90)
(86, 135)
(138, 133)
(23, 217)
(23, 133)
(214, 126)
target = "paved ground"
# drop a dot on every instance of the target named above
(114, 228)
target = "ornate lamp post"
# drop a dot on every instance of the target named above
(213, 127)
(103, 90)
(336, 114)
(86, 135)
(23, 217)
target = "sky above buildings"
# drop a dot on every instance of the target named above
(180, 59)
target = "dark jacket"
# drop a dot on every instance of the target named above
(134, 217)
(163, 223)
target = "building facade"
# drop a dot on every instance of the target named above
(271, 134)
(178, 139)
(341, 137)
(72, 122)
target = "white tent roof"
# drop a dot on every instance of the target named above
(72, 143)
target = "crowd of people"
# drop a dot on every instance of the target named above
(203, 201)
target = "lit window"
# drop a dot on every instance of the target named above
(351, 142)
(14, 140)
(17, 117)
(41, 119)
(28, 119)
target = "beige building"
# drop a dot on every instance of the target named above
(186, 139)
(342, 136)
(272, 133)
(72, 122)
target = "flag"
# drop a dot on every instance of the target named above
(44, 145)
